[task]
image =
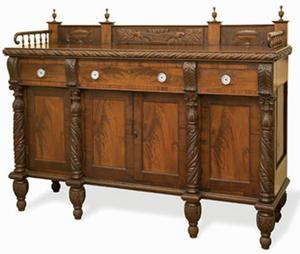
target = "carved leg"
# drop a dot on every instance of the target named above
(55, 186)
(265, 222)
(279, 207)
(192, 211)
(20, 188)
(77, 197)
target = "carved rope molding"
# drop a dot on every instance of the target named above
(152, 54)
(266, 166)
(192, 153)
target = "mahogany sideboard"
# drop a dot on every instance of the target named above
(195, 111)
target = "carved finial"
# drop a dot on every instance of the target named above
(214, 14)
(54, 15)
(106, 15)
(281, 13)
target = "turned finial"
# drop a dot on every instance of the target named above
(281, 13)
(54, 15)
(214, 14)
(106, 15)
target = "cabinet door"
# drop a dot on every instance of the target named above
(159, 122)
(230, 134)
(108, 135)
(47, 130)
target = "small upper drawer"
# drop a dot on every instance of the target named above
(234, 79)
(137, 76)
(42, 72)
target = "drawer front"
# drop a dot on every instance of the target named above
(42, 72)
(231, 79)
(137, 76)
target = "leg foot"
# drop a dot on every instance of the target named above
(55, 186)
(77, 197)
(192, 211)
(279, 207)
(265, 222)
(20, 188)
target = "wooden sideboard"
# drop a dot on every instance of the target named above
(194, 111)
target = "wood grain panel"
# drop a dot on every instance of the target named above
(245, 35)
(229, 149)
(280, 124)
(230, 144)
(160, 137)
(138, 76)
(49, 128)
(243, 79)
(109, 132)
(55, 72)
(108, 136)
(79, 35)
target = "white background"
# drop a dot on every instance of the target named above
(124, 221)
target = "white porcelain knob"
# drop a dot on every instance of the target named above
(41, 73)
(95, 75)
(225, 79)
(162, 77)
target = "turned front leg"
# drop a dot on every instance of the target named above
(77, 191)
(265, 222)
(20, 183)
(192, 212)
(192, 207)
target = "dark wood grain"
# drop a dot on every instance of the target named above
(160, 137)
(136, 76)
(230, 143)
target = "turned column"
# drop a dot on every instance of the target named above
(20, 183)
(192, 208)
(77, 191)
(265, 214)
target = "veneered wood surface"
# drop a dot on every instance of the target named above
(243, 79)
(108, 139)
(160, 137)
(230, 133)
(47, 129)
(109, 121)
(55, 72)
(229, 142)
(138, 76)
(159, 120)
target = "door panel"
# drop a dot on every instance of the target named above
(108, 142)
(48, 134)
(230, 144)
(159, 146)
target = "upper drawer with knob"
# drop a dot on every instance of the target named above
(42, 72)
(229, 79)
(124, 75)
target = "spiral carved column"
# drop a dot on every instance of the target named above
(265, 215)
(77, 190)
(191, 196)
(20, 183)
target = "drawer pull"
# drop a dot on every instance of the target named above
(162, 77)
(41, 73)
(225, 79)
(95, 75)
